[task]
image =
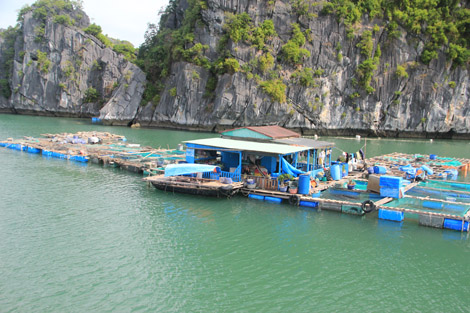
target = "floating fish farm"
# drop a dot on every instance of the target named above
(100, 148)
(393, 187)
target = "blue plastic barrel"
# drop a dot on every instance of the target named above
(272, 199)
(335, 171)
(455, 224)
(304, 184)
(310, 204)
(256, 197)
(432, 156)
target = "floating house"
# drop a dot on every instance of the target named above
(265, 151)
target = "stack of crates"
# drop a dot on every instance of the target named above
(391, 186)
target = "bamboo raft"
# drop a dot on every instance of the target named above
(438, 165)
(111, 150)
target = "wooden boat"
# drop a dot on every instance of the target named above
(183, 178)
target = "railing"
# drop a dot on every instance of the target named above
(236, 177)
(264, 182)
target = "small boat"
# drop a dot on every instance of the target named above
(188, 178)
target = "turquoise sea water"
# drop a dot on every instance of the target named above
(83, 238)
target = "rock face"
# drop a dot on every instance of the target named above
(431, 100)
(71, 73)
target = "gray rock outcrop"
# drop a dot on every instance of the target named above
(71, 73)
(431, 101)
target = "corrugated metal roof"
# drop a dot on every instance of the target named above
(306, 142)
(245, 133)
(272, 131)
(242, 145)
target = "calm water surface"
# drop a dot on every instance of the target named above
(79, 238)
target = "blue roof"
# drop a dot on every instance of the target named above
(245, 133)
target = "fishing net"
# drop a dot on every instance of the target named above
(457, 209)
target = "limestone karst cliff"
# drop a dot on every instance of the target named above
(54, 67)
(331, 67)
(293, 64)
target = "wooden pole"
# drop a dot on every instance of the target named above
(365, 148)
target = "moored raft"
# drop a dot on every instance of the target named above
(183, 178)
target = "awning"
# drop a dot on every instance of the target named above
(187, 168)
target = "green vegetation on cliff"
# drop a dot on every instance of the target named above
(6, 61)
(164, 45)
(441, 23)
(69, 13)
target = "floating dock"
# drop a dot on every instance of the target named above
(99, 148)
(435, 202)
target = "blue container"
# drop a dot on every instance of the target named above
(345, 169)
(380, 170)
(304, 184)
(370, 170)
(256, 197)
(390, 215)
(432, 156)
(309, 204)
(391, 181)
(272, 199)
(391, 192)
(455, 224)
(335, 171)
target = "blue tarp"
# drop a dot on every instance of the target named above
(290, 169)
(185, 168)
